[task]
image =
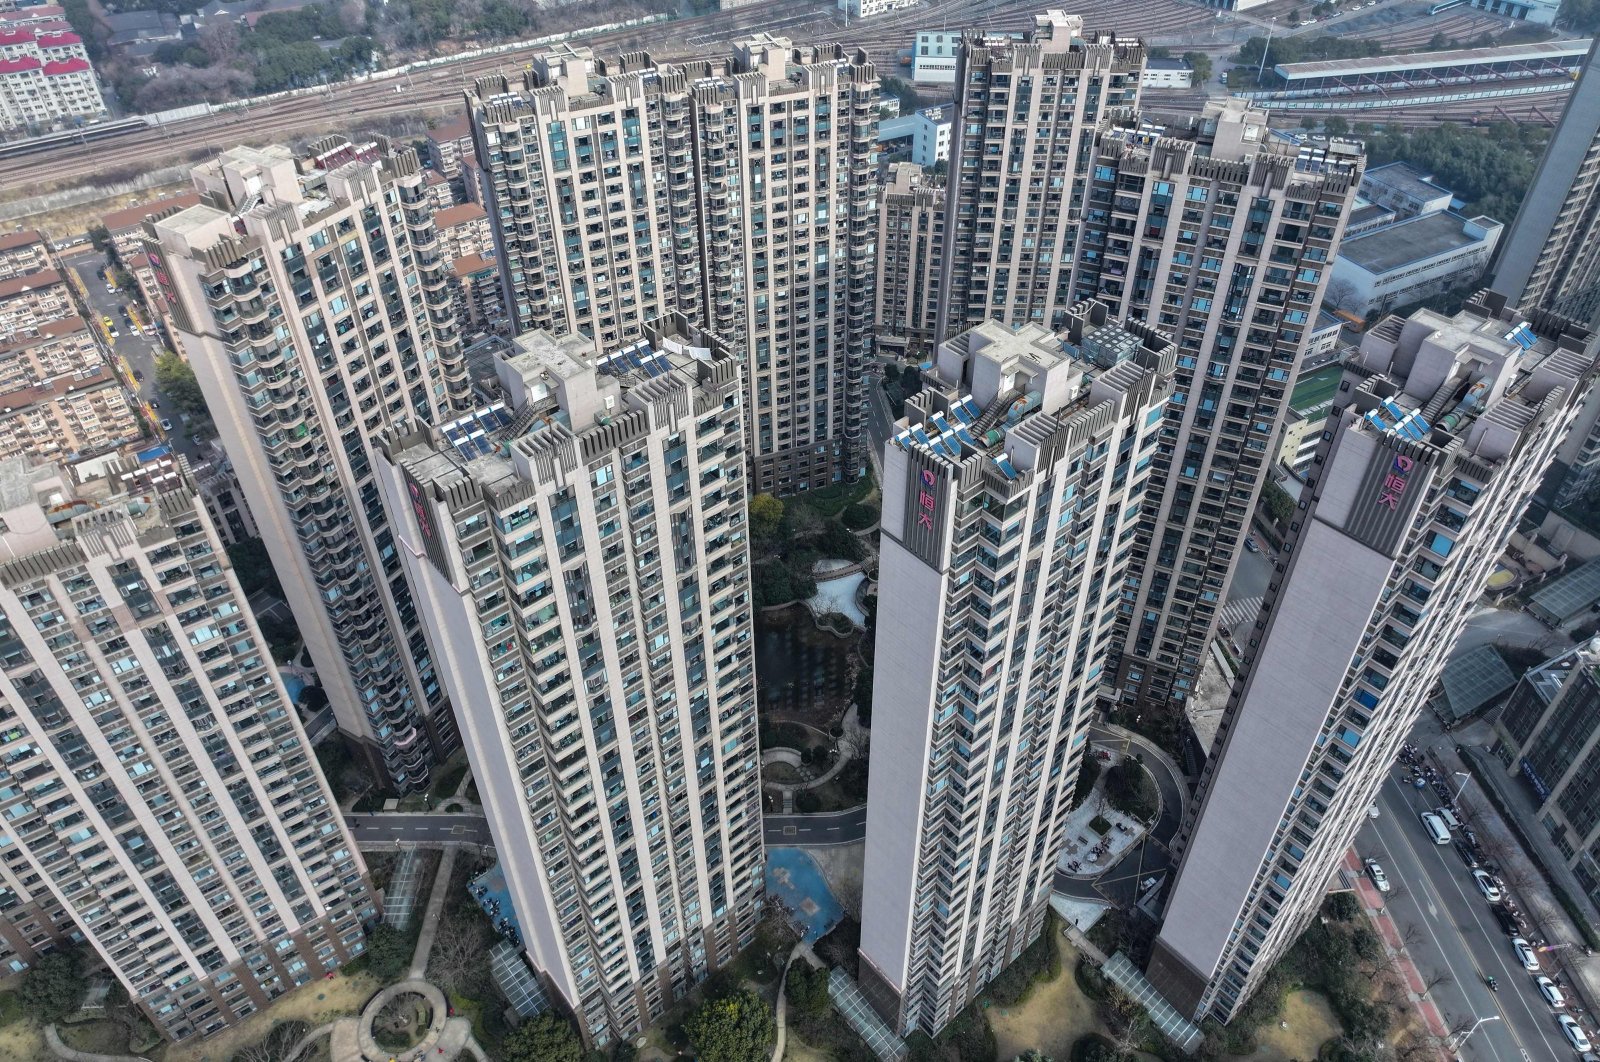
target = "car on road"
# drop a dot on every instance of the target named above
(1469, 854)
(1251, 544)
(1379, 878)
(1507, 920)
(137, 375)
(1525, 955)
(1435, 827)
(1552, 995)
(1574, 1031)
(1372, 811)
(111, 289)
(1486, 885)
(166, 425)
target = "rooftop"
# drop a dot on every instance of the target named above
(26, 238)
(1166, 63)
(130, 217)
(1427, 60)
(43, 278)
(1412, 240)
(1474, 679)
(1405, 179)
(1570, 594)
(458, 215)
(1314, 390)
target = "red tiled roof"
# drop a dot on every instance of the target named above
(450, 217)
(26, 238)
(53, 38)
(61, 326)
(128, 217)
(32, 14)
(44, 278)
(17, 66)
(66, 66)
(20, 35)
(455, 130)
(471, 263)
(56, 388)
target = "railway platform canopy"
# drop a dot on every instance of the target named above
(1461, 68)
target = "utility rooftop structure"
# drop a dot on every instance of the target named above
(1011, 495)
(1442, 429)
(578, 551)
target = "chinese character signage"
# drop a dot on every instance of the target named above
(927, 488)
(1391, 487)
(418, 499)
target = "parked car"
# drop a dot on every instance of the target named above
(1552, 995)
(1507, 920)
(1574, 1031)
(1372, 811)
(1486, 885)
(1525, 955)
(1251, 544)
(1379, 878)
(166, 425)
(1469, 854)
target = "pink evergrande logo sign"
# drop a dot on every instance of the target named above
(925, 498)
(1394, 484)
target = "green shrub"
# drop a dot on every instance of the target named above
(858, 516)
(806, 988)
(1093, 1047)
(1131, 790)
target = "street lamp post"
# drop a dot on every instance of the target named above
(1465, 778)
(1262, 66)
(1480, 1021)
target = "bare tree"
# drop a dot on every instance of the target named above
(1341, 294)
(278, 1045)
(1434, 980)
(459, 954)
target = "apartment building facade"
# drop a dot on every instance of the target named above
(188, 834)
(45, 77)
(32, 300)
(1209, 229)
(1012, 493)
(1026, 111)
(1442, 429)
(23, 252)
(315, 308)
(910, 248)
(580, 555)
(740, 193)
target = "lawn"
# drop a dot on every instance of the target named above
(319, 1002)
(831, 500)
(97, 1037)
(1055, 1014)
(1310, 1024)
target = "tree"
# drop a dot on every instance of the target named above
(176, 380)
(53, 989)
(1031, 1055)
(807, 989)
(1200, 63)
(911, 381)
(1341, 906)
(1336, 125)
(735, 1028)
(100, 240)
(1088, 774)
(766, 513)
(253, 568)
(1278, 504)
(545, 1038)
(1131, 790)
(388, 953)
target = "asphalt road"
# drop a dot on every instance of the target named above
(1452, 932)
(1250, 575)
(812, 831)
(380, 830)
(139, 352)
(1145, 860)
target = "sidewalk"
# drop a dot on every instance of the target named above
(1393, 945)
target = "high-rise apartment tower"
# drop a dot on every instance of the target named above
(579, 552)
(1012, 493)
(1439, 434)
(1216, 231)
(740, 193)
(315, 310)
(910, 250)
(158, 791)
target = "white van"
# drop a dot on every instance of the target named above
(1436, 828)
(1449, 818)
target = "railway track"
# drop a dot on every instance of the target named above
(437, 91)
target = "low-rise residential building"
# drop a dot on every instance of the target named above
(1411, 259)
(480, 306)
(1548, 734)
(64, 347)
(33, 300)
(126, 226)
(67, 418)
(225, 503)
(1167, 73)
(45, 77)
(447, 145)
(925, 134)
(463, 231)
(436, 187)
(910, 248)
(1310, 402)
(23, 252)
(933, 56)
(868, 8)
(1401, 187)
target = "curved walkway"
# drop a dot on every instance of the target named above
(71, 1054)
(436, 1026)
